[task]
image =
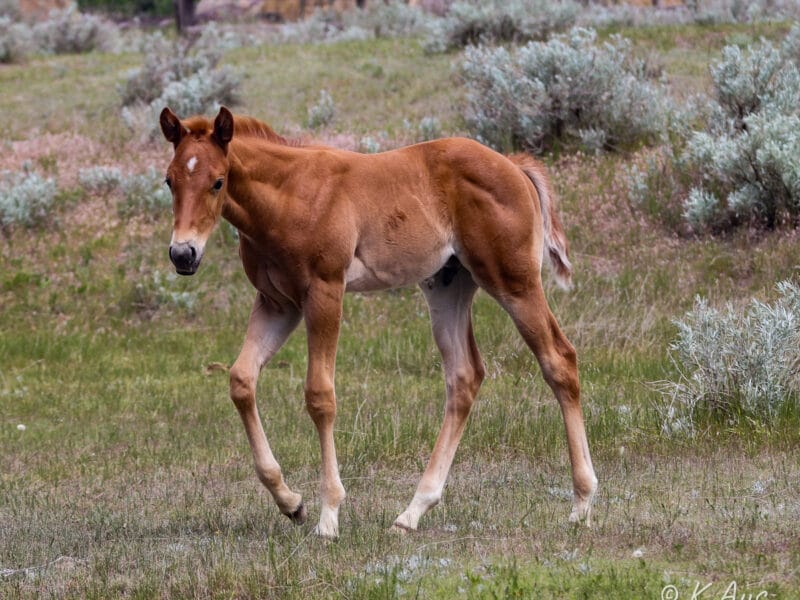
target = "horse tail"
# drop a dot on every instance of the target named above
(556, 246)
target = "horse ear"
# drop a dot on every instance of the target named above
(171, 126)
(223, 128)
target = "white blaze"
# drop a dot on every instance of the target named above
(191, 164)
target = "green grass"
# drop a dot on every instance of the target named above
(132, 477)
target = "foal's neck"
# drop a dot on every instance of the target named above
(258, 170)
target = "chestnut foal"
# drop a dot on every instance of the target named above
(315, 222)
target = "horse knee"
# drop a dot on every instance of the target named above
(561, 374)
(462, 387)
(243, 388)
(321, 403)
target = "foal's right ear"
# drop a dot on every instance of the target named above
(223, 128)
(171, 126)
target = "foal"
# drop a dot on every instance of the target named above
(315, 222)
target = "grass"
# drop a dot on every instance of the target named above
(132, 476)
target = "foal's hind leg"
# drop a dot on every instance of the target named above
(558, 361)
(267, 330)
(449, 299)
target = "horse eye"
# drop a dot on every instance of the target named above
(218, 184)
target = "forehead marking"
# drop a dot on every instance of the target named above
(191, 164)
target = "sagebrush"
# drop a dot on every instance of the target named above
(136, 193)
(185, 76)
(65, 31)
(25, 197)
(740, 166)
(323, 112)
(569, 91)
(735, 364)
(376, 20)
(472, 21)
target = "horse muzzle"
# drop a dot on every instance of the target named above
(186, 257)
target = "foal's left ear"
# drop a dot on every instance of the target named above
(171, 126)
(223, 128)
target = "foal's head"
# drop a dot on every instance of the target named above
(197, 177)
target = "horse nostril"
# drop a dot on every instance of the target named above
(185, 257)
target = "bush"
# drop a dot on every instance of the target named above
(70, 31)
(568, 90)
(25, 198)
(144, 193)
(377, 20)
(476, 21)
(323, 112)
(16, 40)
(740, 167)
(735, 364)
(430, 128)
(186, 77)
(100, 180)
(168, 62)
(9, 8)
(704, 12)
(369, 145)
(746, 157)
(138, 192)
(151, 294)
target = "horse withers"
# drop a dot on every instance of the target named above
(315, 222)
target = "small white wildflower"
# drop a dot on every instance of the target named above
(21, 427)
(638, 553)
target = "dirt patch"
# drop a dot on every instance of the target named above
(57, 155)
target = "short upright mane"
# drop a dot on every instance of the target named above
(251, 127)
(242, 127)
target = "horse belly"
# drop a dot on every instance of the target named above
(386, 270)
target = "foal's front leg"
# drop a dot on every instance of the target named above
(322, 311)
(267, 330)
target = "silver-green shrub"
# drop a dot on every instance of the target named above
(376, 20)
(734, 364)
(9, 8)
(16, 40)
(186, 77)
(71, 31)
(137, 193)
(369, 145)
(144, 193)
(705, 12)
(25, 197)
(478, 21)
(746, 156)
(430, 128)
(100, 180)
(569, 90)
(323, 112)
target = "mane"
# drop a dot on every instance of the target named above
(242, 127)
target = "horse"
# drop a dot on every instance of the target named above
(450, 215)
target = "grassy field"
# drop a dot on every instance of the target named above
(132, 477)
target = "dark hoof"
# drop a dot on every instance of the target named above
(298, 517)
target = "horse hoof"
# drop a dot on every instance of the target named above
(399, 529)
(298, 517)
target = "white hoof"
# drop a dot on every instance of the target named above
(328, 527)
